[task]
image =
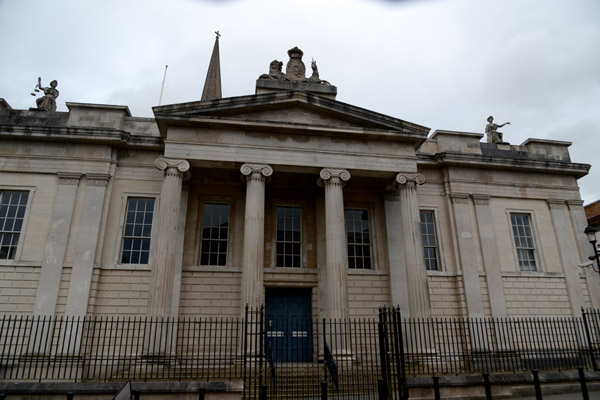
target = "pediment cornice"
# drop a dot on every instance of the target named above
(236, 110)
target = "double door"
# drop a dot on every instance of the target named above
(288, 324)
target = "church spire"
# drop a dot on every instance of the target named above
(212, 85)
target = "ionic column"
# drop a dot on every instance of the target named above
(335, 242)
(465, 236)
(569, 250)
(407, 228)
(254, 234)
(579, 221)
(163, 261)
(491, 261)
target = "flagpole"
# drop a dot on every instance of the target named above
(163, 85)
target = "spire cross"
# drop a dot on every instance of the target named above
(218, 34)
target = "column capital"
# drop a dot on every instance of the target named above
(97, 179)
(460, 198)
(403, 180)
(332, 176)
(556, 203)
(68, 178)
(481, 199)
(256, 171)
(575, 203)
(164, 163)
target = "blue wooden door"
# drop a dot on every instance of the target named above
(289, 324)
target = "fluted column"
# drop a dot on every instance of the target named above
(335, 242)
(254, 234)
(410, 223)
(165, 248)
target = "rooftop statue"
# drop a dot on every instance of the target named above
(274, 71)
(48, 101)
(294, 70)
(491, 130)
(315, 75)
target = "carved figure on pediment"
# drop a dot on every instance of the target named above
(274, 71)
(491, 130)
(314, 78)
(48, 101)
(295, 69)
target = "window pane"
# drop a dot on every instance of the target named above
(215, 234)
(429, 239)
(358, 237)
(137, 231)
(288, 237)
(524, 244)
(12, 213)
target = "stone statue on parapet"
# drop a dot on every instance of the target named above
(48, 101)
(294, 70)
(491, 130)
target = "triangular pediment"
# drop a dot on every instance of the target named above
(285, 110)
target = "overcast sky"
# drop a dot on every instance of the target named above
(444, 64)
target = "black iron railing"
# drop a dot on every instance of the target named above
(292, 358)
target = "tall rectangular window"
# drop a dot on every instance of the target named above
(12, 213)
(289, 237)
(215, 234)
(521, 228)
(137, 232)
(430, 247)
(358, 235)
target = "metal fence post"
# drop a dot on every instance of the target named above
(436, 388)
(536, 384)
(589, 339)
(382, 389)
(137, 395)
(384, 347)
(486, 384)
(584, 391)
(70, 395)
(324, 390)
(263, 392)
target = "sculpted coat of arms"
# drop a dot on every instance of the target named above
(295, 70)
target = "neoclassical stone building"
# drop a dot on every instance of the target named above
(287, 198)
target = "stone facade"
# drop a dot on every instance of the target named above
(202, 209)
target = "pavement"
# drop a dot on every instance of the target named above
(564, 396)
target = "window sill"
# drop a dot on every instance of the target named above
(366, 272)
(542, 274)
(127, 267)
(211, 268)
(16, 263)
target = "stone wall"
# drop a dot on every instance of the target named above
(536, 295)
(210, 292)
(18, 286)
(367, 291)
(119, 292)
(446, 294)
